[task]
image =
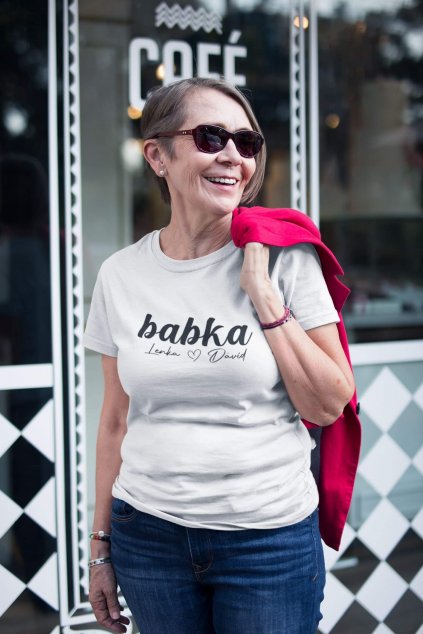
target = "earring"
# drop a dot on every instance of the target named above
(161, 173)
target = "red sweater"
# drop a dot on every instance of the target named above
(340, 442)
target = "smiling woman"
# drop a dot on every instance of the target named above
(200, 441)
(211, 181)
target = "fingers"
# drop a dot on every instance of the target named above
(104, 617)
(254, 245)
(114, 610)
(104, 600)
(255, 268)
(256, 256)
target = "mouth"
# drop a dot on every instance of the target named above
(221, 180)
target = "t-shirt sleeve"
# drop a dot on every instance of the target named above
(303, 286)
(98, 335)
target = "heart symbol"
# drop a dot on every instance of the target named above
(194, 354)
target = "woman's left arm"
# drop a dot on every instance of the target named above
(312, 363)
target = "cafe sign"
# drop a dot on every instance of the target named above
(179, 58)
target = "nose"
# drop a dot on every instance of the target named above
(229, 154)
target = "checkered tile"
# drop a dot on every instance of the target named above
(28, 569)
(375, 582)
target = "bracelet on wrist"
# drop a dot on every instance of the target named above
(99, 561)
(287, 316)
(101, 536)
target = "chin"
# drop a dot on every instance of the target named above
(230, 204)
(224, 210)
(220, 205)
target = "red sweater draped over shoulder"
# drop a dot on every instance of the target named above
(340, 442)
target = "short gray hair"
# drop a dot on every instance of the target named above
(166, 109)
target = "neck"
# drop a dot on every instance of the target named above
(182, 240)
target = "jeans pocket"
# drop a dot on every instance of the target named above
(122, 511)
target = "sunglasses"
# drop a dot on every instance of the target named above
(212, 138)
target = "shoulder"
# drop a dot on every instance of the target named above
(302, 253)
(301, 249)
(126, 258)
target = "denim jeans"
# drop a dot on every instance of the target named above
(179, 580)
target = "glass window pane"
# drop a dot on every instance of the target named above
(371, 105)
(24, 221)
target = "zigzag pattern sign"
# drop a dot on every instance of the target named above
(187, 18)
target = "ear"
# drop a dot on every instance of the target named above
(153, 154)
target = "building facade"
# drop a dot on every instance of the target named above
(338, 90)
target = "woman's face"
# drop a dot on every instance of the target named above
(192, 175)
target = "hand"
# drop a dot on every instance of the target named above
(255, 280)
(104, 600)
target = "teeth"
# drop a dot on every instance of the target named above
(223, 181)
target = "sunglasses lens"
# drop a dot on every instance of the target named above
(248, 143)
(212, 139)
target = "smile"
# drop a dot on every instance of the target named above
(221, 181)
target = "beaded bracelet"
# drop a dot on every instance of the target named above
(288, 314)
(99, 561)
(100, 535)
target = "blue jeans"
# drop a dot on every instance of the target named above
(179, 580)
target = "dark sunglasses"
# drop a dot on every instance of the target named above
(213, 138)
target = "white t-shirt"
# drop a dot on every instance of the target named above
(213, 440)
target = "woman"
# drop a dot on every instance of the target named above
(203, 463)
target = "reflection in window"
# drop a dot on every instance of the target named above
(371, 105)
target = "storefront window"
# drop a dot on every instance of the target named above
(24, 222)
(25, 324)
(371, 135)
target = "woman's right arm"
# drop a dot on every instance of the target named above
(111, 431)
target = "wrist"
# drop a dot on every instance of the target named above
(268, 304)
(100, 543)
(100, 549)
(287, 316)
